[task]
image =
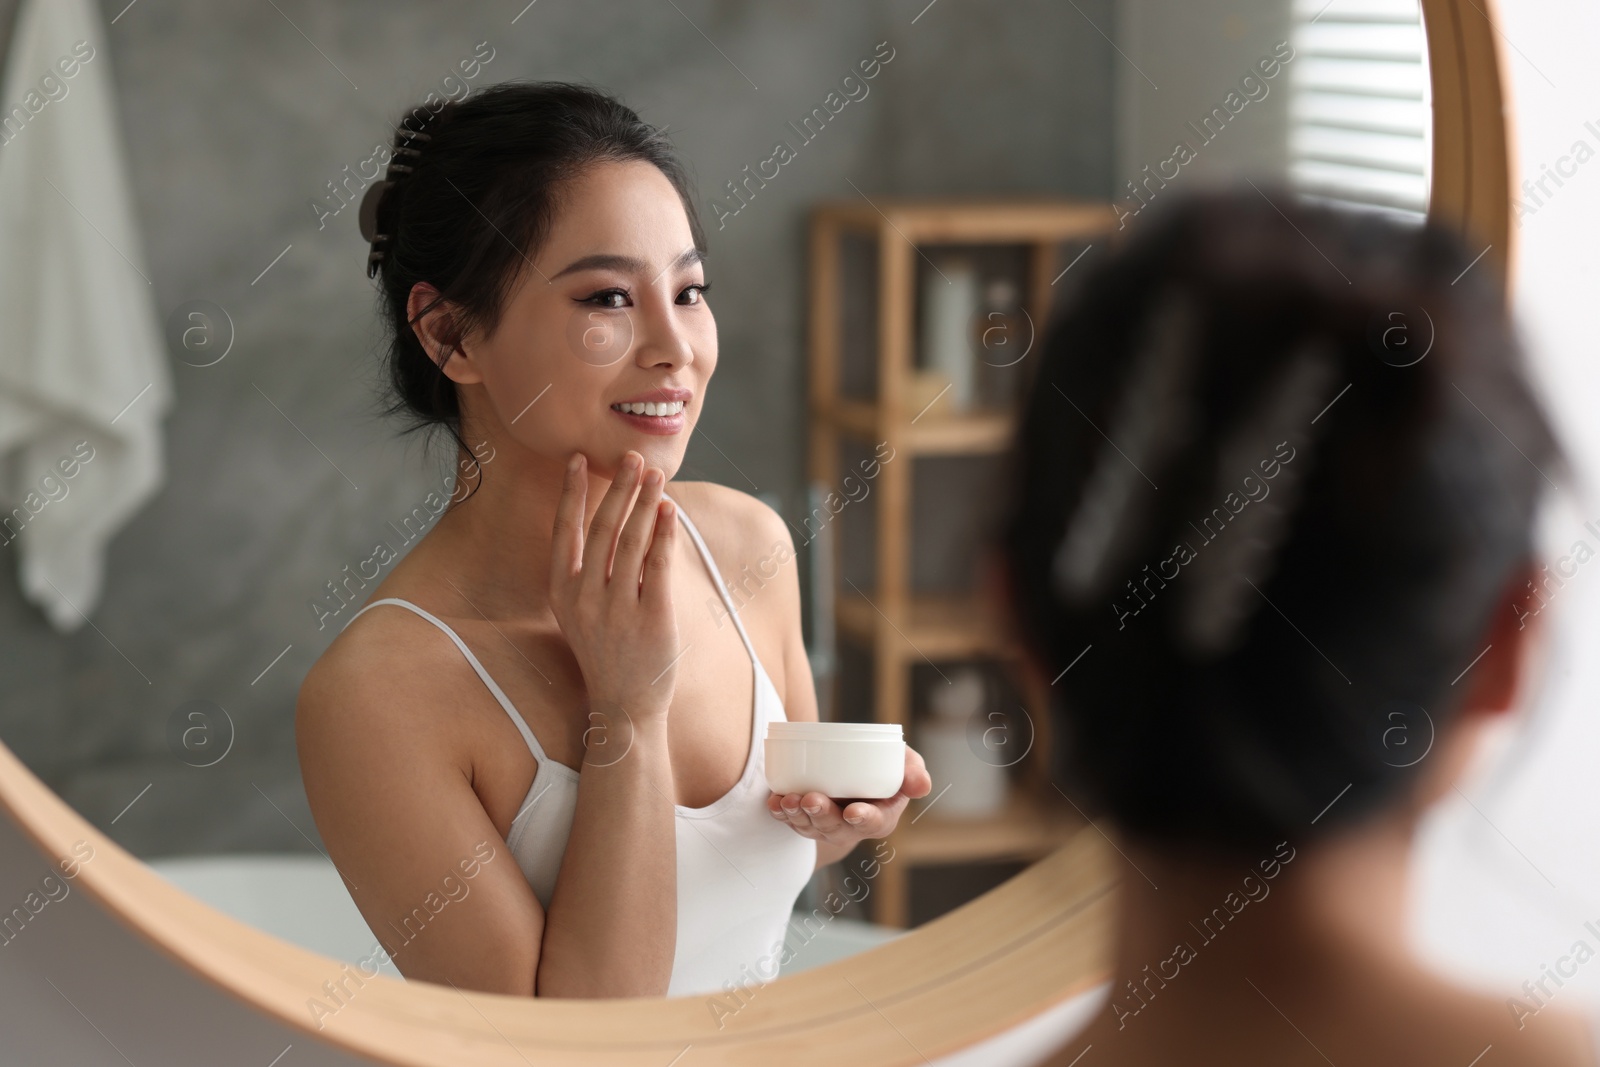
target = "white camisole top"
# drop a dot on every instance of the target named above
(739, 869)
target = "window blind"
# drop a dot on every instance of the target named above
(1360, 113)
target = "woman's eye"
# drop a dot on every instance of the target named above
(609, 298)
(694, 293)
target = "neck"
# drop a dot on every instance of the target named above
(1299, 922)
(493, 543)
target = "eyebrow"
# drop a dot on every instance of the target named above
(612, 261)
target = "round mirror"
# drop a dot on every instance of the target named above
(189, 541)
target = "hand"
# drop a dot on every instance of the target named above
(611, 591)
(820, 817)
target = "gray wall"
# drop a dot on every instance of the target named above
(234, 121)
(1181, 60)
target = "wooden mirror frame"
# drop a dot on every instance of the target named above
(985, 968)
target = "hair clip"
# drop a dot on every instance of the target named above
(1152, 419)
(367, 219)
(367, 216)
(1216, 603)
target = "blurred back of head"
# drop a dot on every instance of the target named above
(1278, 466)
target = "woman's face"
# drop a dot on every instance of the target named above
(610, 311)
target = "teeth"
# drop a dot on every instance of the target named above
(669, 408)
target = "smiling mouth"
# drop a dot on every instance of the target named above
(659, 410)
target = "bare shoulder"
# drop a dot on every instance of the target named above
(384, 675)
(382, 729)
(739, 529)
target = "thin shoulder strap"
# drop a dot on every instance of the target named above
(716, 576)
(493, 687)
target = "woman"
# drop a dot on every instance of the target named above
(542, 272)
(1282, 595)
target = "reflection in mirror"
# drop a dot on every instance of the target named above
(1360, 105)
(1332, 98)
(889, 200)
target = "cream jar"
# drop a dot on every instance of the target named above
(845, 760)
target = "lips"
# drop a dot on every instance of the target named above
(656, 411)
(660, 394)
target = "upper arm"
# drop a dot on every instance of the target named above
(397, 812)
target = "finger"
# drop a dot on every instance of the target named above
(918, 782)
(607, 521)
(823, 813)
(655, 590)
(786, 809)
(874, 818)
(566, 536)
(637, 533)
(789, 806)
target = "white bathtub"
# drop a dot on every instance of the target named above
(302, 899)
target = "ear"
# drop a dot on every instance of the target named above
(1493, 686)
(1497, 678)
(435, 321)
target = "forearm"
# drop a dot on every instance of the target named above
(611, 928)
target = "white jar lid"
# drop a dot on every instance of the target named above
(835, 731)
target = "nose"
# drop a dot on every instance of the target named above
(660, 338)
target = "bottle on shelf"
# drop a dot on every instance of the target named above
(950, 305)
(952, 744)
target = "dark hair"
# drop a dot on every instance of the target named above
(1228, 693)
(484, 178)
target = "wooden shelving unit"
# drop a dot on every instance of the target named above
(897, 626)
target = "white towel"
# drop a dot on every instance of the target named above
(82, 357)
